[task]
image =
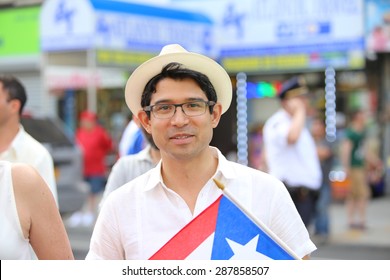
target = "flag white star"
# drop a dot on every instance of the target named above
(247, 251)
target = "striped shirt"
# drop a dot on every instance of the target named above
(126, 169)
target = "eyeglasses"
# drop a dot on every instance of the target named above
(190, 109)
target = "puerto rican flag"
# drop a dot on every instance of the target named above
(222, 232)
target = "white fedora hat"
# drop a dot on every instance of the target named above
(175, 53)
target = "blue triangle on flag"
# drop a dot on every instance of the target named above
(235, 225)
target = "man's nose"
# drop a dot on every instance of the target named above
(179, 115)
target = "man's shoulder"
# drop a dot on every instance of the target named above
(127, 159)
(130, 160)
(31, 142)
(31, 149)
(274, 118)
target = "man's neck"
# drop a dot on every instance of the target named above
(155, 155)
(7, 135)
(188, 177)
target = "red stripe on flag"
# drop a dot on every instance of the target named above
(190, 236)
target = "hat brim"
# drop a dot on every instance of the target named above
(140, 77)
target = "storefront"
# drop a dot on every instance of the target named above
(20, 54)
(377, 28)
(90, 48)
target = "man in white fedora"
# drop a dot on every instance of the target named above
(179, 98)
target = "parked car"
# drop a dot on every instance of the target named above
(67, 157)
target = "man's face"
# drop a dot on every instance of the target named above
(87, 123)
(293, 104)
(181, 137)
(3, 94)
(7, 107)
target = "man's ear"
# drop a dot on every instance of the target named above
(15, 105)
(144, 120)
(216, 114)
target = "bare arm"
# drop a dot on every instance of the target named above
(39, 216)
(345, 154)
(296, 107)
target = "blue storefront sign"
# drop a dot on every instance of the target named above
(258, 36)
(115, 25)
(274, 36)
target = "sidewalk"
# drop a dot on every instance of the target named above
(378, 224)
(350, 244)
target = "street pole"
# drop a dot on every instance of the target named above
(242, 120)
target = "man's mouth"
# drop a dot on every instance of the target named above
(181, 136)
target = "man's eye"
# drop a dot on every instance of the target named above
(163, 108)
(193, 105)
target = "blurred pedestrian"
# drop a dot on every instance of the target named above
(291, 154)
(132, 140)
(29, 217)
(179, 97)
(256, 147)
(16, 145)
(326, 156)
(355, 155)
(96, 144)
(131, 166)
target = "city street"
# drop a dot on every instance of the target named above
(344, 244)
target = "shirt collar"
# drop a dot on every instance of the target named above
(224, 172)
(155, 177)
(17, 143)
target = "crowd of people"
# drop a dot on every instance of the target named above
(165, 174)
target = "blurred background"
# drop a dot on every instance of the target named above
(77, 55)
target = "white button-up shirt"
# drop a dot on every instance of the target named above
(298, 164)
(140, 217)
(24, 148)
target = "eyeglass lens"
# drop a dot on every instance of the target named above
(193, 108)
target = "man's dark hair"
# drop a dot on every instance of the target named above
(177, 72)
(15, 90)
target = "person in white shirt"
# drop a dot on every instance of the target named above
(291, 153)
(29, 217)
(179, 97)
(16, 145)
